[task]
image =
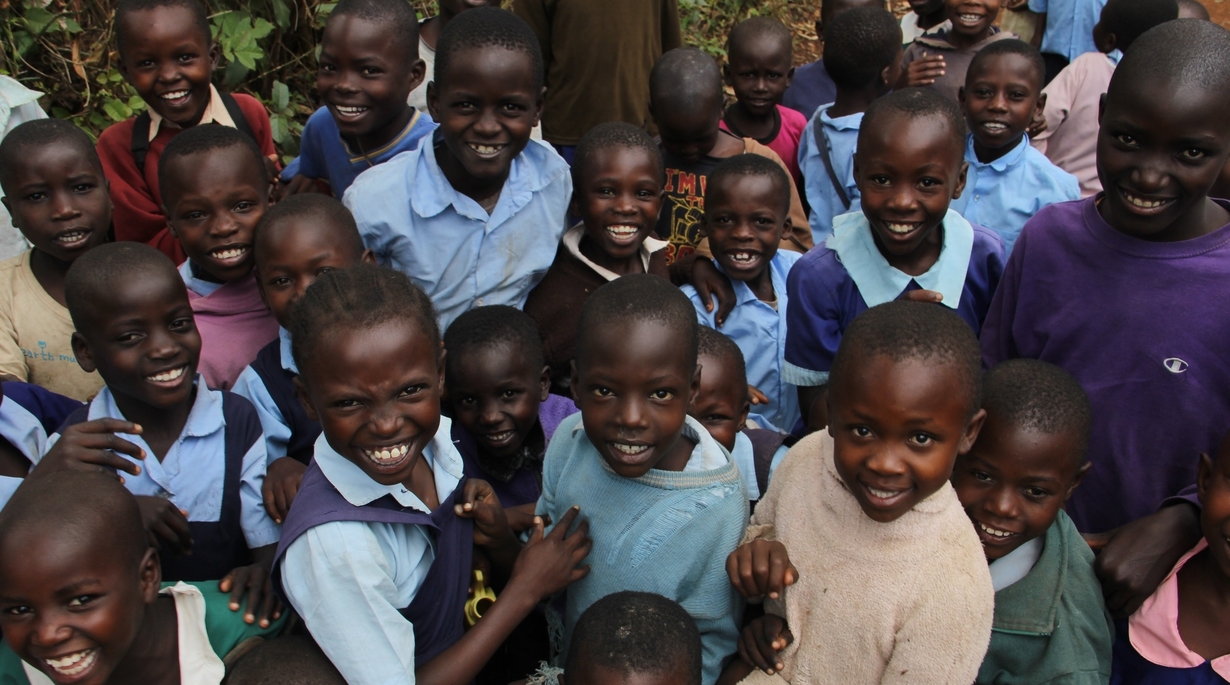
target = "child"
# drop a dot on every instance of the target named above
(664, 502)
(82, 598)
(1008, 181)
(368, 65)
(1152, 225)
(1050, 623)
(811, 86)
(635, 637)
(200, 492)
(18, 105)
(298, 239)
(474, 218)
(215, 190)
(1066, 28)
(428, 35)
(28, 414)
(905, 240)
(863, 56)
(167, 54)
(938, 60)
(924, 16)
(617, 179)
(747, 201)
(56, 192)
(686, 100)
(759, 68)
(381, 583)
(1073, 98)
(1179, 634)
(1193, 9)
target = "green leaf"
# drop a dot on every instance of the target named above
(261, 28)
(277, 128)
(235, 73)
(281, 96)
(136, 104)
(37, 19)
(248, 56)
(117, 110)
(281, 14)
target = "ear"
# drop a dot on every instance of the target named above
(215, 53)
(971, 431)
(1041, 106)
(574, 205)
(727, 78)
(170, 224)
(1076, 480)
(695, 390)
(433, 101)
(301, 391)
(260, 286)
(1204, 477)
(417, 73)
(789, 77)
(787, 226)
(747, 409)
(368, 257)
(81, 350)
(150, 576)
(539, 104)
(1101, 108)
(9, 208)
(960, 187)
(574, 383)
(961, 97)
(886, 76)
(545, 383)
(440, 367)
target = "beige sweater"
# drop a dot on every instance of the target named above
(903, 602)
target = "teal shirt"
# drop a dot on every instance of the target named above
(1052, 626)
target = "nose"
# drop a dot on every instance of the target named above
(631, 417)
(49, 631)
(386, 421)
(224, 225)
(742, 232)
(489, 413)
(345, 82)
(625, 203)
(168, 72)
(998, 103)
(488, 124)
(64, 209)
(1151, 174)
(760, 85)
(885, 462)
(901, 198)
(1002, 504)
(162, 345)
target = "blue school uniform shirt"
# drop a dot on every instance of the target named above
(252, 386)
(1004, 194)
(412, 218)
(842, 136)
(323, 153)
(28, 414)
(1069, 25)
(349, 579)
(759, 330)
(191, 474)
(745, 458)
(833, 284)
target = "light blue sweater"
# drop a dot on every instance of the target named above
(666, 532)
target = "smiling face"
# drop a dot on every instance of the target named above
(618, 199)
(759, 72)
(59, 201)
(692, 134)
(972, 19)
(721, 404)
(1013, 482)
(744, 221)
(897, 428)
(292, 253)
(1213, 485)
(168, 60)
(633, 383)
(213, 206)
(495, 393)
(1000, 99)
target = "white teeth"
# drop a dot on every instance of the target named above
(72, 237)
(970, 18)
(230, 253)
(629, 449)
(486, 149)
(168, 376)
(387, 455)
(75, 663)
(622, 230)
(350, 111)
(743, 257)
(883, 494)
(994, 532)
(995, 126)
(900, 229)
(500, 437)
(1137, 201)
(175, 95)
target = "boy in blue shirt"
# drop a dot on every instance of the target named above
(1067, 31)
(369, 64)
(909, 166)
(475, 216)
(1008, 180)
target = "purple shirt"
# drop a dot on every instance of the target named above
(810, 88)
(1143, 327)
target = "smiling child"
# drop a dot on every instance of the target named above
(429, 36)
(938, 60)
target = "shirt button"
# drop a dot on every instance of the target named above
(479, 302)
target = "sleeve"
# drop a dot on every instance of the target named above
(258, 119)
(8, 485)
(813, 327)
(800, 239)
(291, 170)
(1060, 93)
(944, 636)
(1187, 494)
(258, 528)
(313, 162)
(1038, 6)
(136, 215)
(558, 451)
(703, 317)
(12, 360)
(534, 13)
(373, 230)
(277, 433)
(671, 35)
(997, 340)
(12, 672)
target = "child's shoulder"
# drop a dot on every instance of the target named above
(253, 110)
(225, 629)
(786, 259)
(539, 166)
(1048, 172)
(116, 139)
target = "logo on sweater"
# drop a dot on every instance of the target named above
(1175, 365)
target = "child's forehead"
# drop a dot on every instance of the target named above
(628, 158)
(894, 136)
(173, 22)
(758, 45)
(471, 57)
(1006, 67)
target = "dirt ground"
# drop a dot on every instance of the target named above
(1220, 9)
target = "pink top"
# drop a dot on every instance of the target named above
(1071, 136)
(234, 324)
(1154, 629)
(786, 142)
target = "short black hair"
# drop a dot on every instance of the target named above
(1037, 396)
(324, 208)
(717, 345)
(397, 14)
(207, 138)
(760, 27)
(1195, 7)
(42, 133)
(636, 632)
(488, 27)
(859, 44)
(498, 326)
(291, 660)
(638, 297)
(200, 17)
(916, 103)
(683, 80)
(1129, 19)
(1010, 46)
(747, 164)
(614, 134)
(93, 276)
(1183, 52)
(360, 297)
(905, 330)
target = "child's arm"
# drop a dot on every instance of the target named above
(261, 533)
(1137, 557)
(945, 630)
(136, 215)
(760, 568)
(813, 332)
(922, 71)
(712, 285)
(491, 529)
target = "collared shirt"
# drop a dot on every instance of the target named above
(215, 113)
(416, 222)
(25, 427)
(1005, 193)
(759, 329)
(706, 456)
(188, 271)
(1069, 25)
(349, 579)
(842, 137)
(274, 425)
(910, 29)
(572, 242)
(193, 471)
(956, 61)
(745, 459)
(1007, 570)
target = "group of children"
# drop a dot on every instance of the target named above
(845, 395)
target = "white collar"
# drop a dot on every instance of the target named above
(215, 113)
(1015, 565)
(706, 456)
(572, 242)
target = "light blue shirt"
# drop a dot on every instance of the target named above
(1069, 25)
(1006, 193)
(250, 385)
(842, 136)
(415, 222)
(197, 285)
(192, 472)
(348, 579)
(745, 459)
(25, 432)
(760, 332)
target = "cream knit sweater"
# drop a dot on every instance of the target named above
(903, 602)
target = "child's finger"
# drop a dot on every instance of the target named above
(536, 531)
(565, 522)
(766, 656)
(255, 598)
(237, 586)
(749, 653)
(281, 504)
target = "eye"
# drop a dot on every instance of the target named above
(186, 58)
(861, 431)
(412, 391)
(346, 404)
(193, 216)
(145, 64)
(509, 394)
(371, 71)
(36, 197)
(327, 68)
(1036, 493)
(645, 195)
(244, 205)
(603, 392)
(929, 183)
(83, 187)
(82, 601)
(280, 282)
(662, 395)
(921, 439)
(1125, 139)
(879, 180)
(128, 338)
(605, 191)
(467, 401)
(19, 610)
(982, 476)
(1192, 154)
(323, 270)
(716, 418)
(513, 108)
(182, 324)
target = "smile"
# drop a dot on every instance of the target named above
(623, 233)
(502, 436)
(168, 377)
(994, 126)
(230, 253)
(1139, 202)
(743, 257)
(73, 237)
(175, 95)
(350, 112)
(74, 664)
(387, 456)
(970, 18)
(486, 150)
(900, 229)
(881, 498)
(994, 532)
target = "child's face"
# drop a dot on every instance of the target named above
(143, 340)
(486, 108)
(744, 220)
(292, 255)
(634, 388)
(1213, 485)
(1013, 482)
(1000, 100)
(925, 7)
(376, 393)
(908, 170)
(759, 72)
(217, 199)
(896, 428)
(690, 135)
(721, 404)
(364, 78)
(972, 18)
(168, 60)
(59, 201)
(619, 199)
(495, 393)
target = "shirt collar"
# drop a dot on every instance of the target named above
(285, 352)
(878, 282)
(849, 122)
(205, 418)
(529, 172)
(572, 242)
(215, 113)
(359, 489)
(743, 292)
(706, 456)
(937, 37)
(1015, 565)
(1114, 56)
(200, 286)
(1030, 603)
(1005, 162)
(22, 430)
(356, 157)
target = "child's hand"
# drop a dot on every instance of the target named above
(923, 296)
(255, 581)
(1037, 124)
(281, 485)
(521, 518)
(92, 446)
(479, 503)
(711, 285)
(550, 563)
(925, 70)
(1137, 557)
(755, 396)
(760, 568)
(762, 639)
(165, 523)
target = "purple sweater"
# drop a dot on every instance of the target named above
(1143, 327)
